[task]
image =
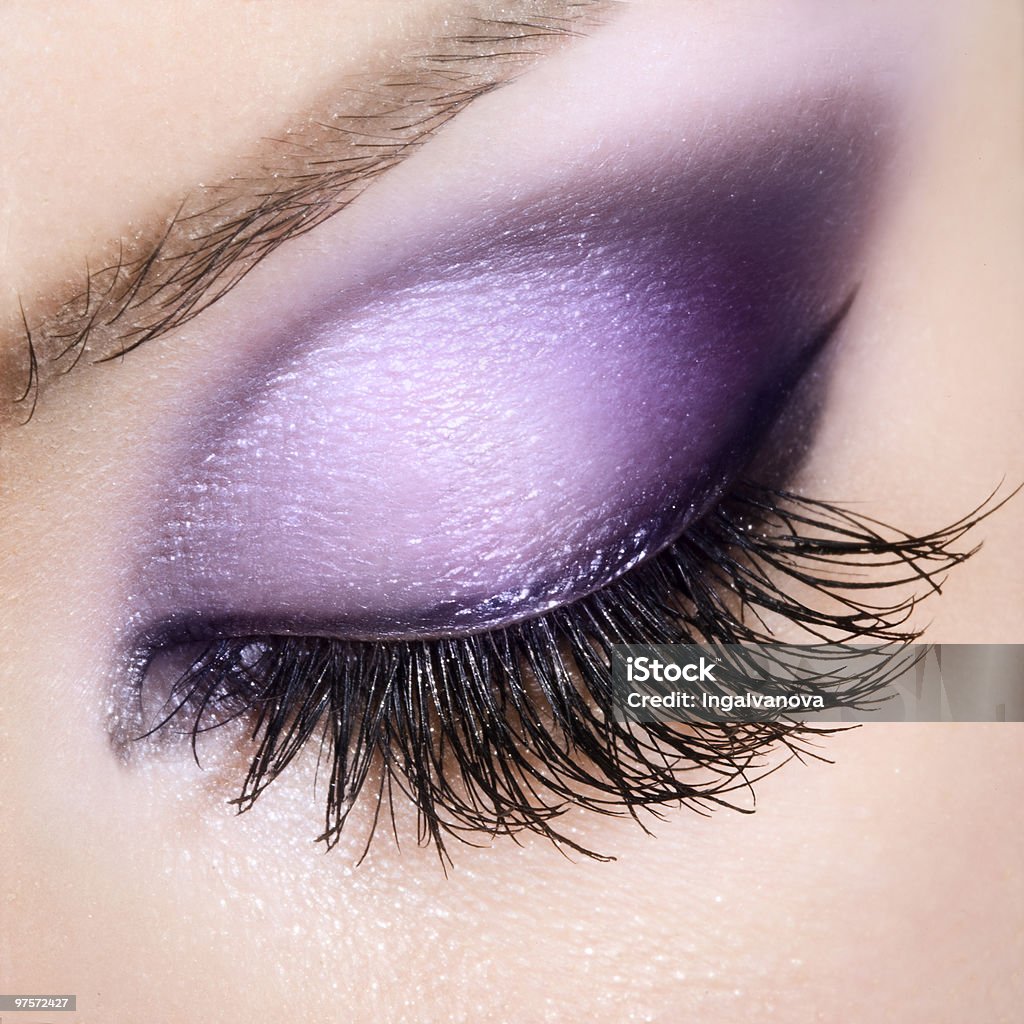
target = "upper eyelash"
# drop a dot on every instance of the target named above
(219, 234)
(501, 732)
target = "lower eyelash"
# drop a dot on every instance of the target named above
(500, 733)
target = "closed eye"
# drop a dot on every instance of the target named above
(403, 520)
(399, 543)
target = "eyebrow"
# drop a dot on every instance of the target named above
(193, 256)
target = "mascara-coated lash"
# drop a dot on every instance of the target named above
(503, 732)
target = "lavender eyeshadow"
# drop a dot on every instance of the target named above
(516, 419)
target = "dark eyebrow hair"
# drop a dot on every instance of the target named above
(196, 254)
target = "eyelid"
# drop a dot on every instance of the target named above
(752, 245)
(403, 457)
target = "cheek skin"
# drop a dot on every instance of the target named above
(516, 417)
(823, 899)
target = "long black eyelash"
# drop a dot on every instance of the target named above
(502, 732)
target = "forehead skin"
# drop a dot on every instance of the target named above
(885, 886)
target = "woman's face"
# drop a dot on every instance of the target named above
(459, 399)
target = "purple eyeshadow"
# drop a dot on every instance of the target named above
(522, 414)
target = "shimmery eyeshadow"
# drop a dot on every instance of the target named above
(521, 414)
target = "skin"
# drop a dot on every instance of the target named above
(883, 886)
